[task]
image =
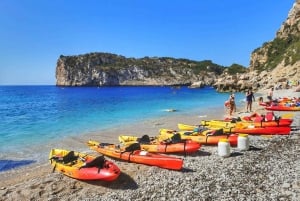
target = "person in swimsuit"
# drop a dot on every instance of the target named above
(232, 106)
(249, 99)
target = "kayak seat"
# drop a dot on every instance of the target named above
(269, 116)
(200, 129)
(104, 144)
(176, 138)
(188, 133)
(234, 120)
(70, 157)
(145, 139)
(133, 147)
(218, 132)
(98, 162)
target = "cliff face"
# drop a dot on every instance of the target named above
(275, 62)
(101, 69)
(278, 61)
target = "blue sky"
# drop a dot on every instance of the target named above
(34, 33)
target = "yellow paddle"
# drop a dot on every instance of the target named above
(267, 136)
(288, 116)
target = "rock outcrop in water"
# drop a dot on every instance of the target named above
(275, 63)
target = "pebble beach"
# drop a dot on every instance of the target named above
(269, 170)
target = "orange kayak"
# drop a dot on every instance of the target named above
(209, 139)
(82, 166)
(153, 144)
(133, 153)
(269, 130)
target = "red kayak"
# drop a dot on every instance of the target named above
(283, 108)
(267, 120)
(279, 130)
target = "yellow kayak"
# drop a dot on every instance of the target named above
(153, 144)
(209, 137)
(220, 123)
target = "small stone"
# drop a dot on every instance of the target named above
(286, 185)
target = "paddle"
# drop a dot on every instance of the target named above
(267, 136)
(287, 116)
(53, 170)
(51, 160)
(91, 143)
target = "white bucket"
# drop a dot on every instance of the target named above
(243, 142)
(223, 148)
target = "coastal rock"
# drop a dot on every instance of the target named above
(105, 69)
(275, 63)
(279, 57)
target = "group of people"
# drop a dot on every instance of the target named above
(249, 99)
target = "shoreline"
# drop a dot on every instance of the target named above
(149, 126)
(140, 182)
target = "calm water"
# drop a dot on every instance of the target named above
(34, 115)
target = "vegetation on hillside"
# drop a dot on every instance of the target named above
(286, 49)
(156, 66)
(236, 68)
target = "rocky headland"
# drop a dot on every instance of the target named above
(275, 63)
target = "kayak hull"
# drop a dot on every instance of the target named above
(282, 108)
(263, 130)
(137, 156)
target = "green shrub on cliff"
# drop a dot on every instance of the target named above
(207, 66)
(280, 49)
(236, 68)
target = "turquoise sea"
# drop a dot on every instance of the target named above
(33, 116)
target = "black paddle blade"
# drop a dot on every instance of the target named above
(53, 170)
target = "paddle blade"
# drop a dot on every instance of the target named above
(53, 170)
(91, 143)
(267, 136)
(287, 116)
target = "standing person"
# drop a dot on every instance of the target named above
(232, 106)
(270, 95)
(249, 99)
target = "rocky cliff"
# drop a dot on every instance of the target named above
(277, 62)
(274, 63)
(102, 69)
